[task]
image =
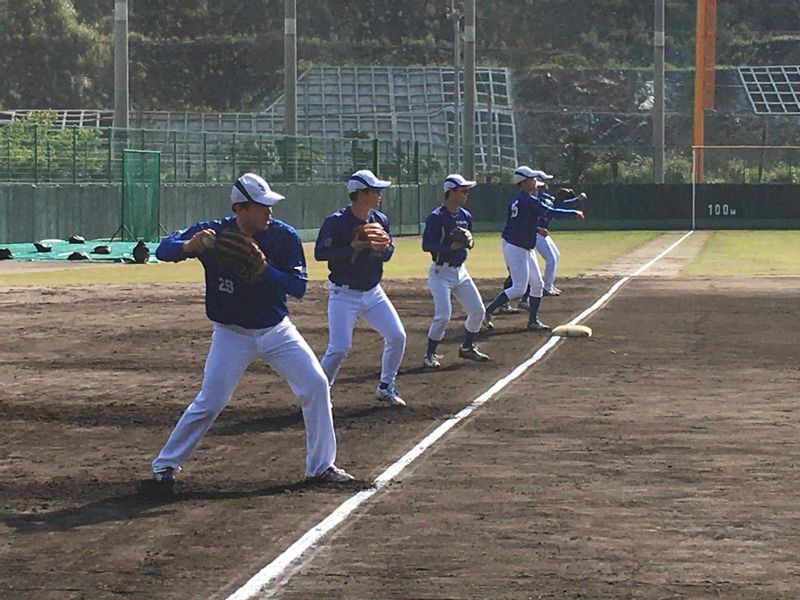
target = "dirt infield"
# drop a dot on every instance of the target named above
(658, 458)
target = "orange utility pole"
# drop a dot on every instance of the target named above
(704, 76)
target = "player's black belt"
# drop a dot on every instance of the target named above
(444, 263)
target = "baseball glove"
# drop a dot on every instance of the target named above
(463, 236)
(564, 194)
(240, 253)
(375, 234)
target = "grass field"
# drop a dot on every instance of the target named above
(748, 253)
(727, 253)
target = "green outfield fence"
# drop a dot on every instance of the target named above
(40, 154)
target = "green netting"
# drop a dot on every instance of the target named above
(141, 197)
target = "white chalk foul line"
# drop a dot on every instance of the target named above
(280, 565)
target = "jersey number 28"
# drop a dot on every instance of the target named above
(225, 285)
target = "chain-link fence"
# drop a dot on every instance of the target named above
(41, 154)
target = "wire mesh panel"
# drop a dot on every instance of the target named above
(772, 90)
(141, 195)
(389, 103)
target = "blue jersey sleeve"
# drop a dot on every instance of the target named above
(434, 234)
(171, 247)
(384, 221)
(287, 263)
(325, 248)
(551, 212)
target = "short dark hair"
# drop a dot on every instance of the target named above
(354, 194)
(242, 205)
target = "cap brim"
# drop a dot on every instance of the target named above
(270, 199)
(381, 184)
(546, 177)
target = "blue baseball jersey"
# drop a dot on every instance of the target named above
(436, 238)
(522, 216)
(361, 270)
(550, 202)
(232, 300)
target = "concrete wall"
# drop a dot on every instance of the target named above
(35, 212)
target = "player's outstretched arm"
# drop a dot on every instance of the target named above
(186, 243)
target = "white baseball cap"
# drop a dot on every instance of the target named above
(455, 180)
(253, 188)
(523, 173)
(363, 179)
(541, 175)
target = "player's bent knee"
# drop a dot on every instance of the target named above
(515, 291)
(337, 355)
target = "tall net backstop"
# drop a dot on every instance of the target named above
(141, 195)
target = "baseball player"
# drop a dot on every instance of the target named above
(448, 238)
(250, 319)
(545, 245)
(519, 239)
(354, 290)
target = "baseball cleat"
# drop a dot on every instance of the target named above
(472, 353)
(332, 474)
(552, 291)
(487, 324)
(508, 310)
(165, 475)
(537, 325)
(431, 361)
(390, 395)
(524, 305)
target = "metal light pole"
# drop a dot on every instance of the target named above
(455, 17)
(121, 99)
(469, 89)
(290, 67)
(658, 85)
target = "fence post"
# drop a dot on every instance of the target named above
(416, 162)
(408, 162)
(175, 157)
(233, 156)
(35, 154)
(205, 157)
(110, 152)
(74, 152)
(335, 167)
(375, 158)
(310, 159)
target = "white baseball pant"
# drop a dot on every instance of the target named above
(232, 350)
(524, 271)
(444, 280)
(547, 249)
(344, 307)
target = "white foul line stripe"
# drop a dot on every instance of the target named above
(280, 565)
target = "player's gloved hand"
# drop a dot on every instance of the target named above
(564, 194)
(463, 236)
(579, 215)
(240, 253)
(372, 236)
(200, 242)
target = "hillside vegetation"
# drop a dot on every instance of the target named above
(227, 55)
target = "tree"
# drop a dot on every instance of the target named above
(49, 59)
